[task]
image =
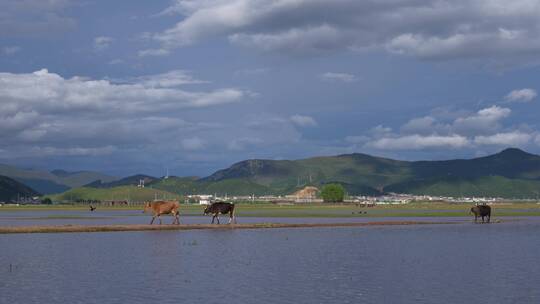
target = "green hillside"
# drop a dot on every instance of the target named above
(492, 186)
(11, 190)
(511, 173)
(127, 193)
(190, 185)
(360, 173)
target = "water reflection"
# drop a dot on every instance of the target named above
(405, 264)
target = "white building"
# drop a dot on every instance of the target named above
(205, 199)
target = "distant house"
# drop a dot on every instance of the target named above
(205, 199)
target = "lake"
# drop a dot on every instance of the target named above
(460, 263)
(126, 217)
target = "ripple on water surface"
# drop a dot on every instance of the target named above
(404, 264)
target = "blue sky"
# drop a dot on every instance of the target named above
(130, 87)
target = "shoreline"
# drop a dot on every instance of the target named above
(181, 227)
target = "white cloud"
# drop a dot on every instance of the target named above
(153, 52)
(537, 139)
(50, 151)
(78, 115)
(380, 131)
(303, 121)
(10, 50)
(49, 92)
(116, 61)
(252, 72)
(312, 39)
(169, 79)
(342, 77)
(484, 121)
(102, 43)
(483, 128)
(193, 143)
(418, 142)
(239, 144)
(427, 29)
(523, 95)
(513, 139)
(420, 125)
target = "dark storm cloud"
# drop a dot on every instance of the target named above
(425, 29)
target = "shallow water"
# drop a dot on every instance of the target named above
(463, 263)
(126, 217)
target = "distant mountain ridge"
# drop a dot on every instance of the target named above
(132, 180)
(55, 181)
(511, 173)
(11, 190)
(512, 169)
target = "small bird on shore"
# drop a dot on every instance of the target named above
(92, 208)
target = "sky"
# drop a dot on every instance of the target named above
(193, 86)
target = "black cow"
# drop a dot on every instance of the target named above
(481, 211)
(220, 208)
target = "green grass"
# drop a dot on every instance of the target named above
(128, 193)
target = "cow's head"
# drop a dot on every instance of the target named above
(207, 209)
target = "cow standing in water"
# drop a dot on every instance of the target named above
(221, 208)
(162, 207)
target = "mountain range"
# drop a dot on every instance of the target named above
(11, 190)
(511, 173)
(55, 181)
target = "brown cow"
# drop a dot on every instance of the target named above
(162, 207)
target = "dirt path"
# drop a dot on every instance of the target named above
(113, 228)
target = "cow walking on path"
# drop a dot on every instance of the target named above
(162, 207)
(221, 208)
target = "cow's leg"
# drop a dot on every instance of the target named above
(217, 217)
(213, 218)
(152, 221)
(176, 219)
(159, 217)
(489, 218)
